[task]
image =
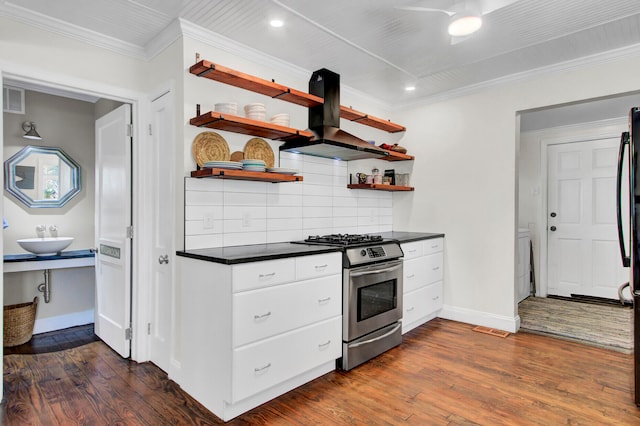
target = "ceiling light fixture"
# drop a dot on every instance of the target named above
(276, 23)
(463, 23)
(30, 128)
(410, 88)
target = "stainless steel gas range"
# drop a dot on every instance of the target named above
(371, 295)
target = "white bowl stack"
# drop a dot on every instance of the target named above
(281, 119)
(255, 111)
(226, 108)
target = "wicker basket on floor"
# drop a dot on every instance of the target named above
(18, 322)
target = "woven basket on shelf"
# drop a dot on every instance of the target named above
(18, 322)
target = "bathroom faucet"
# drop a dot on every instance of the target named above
(53, 230)
(40, 230)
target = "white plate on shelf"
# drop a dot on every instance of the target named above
(282, 170)
(222, 165)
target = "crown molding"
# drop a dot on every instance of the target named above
(596, 59)
(48, 23)
(163, 39)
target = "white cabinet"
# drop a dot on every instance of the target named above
(523, 285)
(251, 332)
(422, 281)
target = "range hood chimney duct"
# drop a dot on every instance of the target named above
(324, 122)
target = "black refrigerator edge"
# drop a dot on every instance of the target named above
(630, 144)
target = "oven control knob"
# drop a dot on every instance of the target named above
(363, 252)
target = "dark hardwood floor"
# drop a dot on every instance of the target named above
(443, 374)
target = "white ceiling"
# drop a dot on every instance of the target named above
(377, 46)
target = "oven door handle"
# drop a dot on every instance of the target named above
(375, 271)
(366, 342)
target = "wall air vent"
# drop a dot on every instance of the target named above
(13, 99)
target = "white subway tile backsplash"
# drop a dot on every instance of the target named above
(203, 198)
(245, 198)
(200, 212)
(284, 212)
(245, 225)
(203, 241)
(283, 224)
(244, 238)
(284, 200)
(244, 212)
(248, 212)
(317, 212)
(196, 184)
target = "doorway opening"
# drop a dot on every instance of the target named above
(567, 177)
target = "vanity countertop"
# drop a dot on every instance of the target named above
(31, 262)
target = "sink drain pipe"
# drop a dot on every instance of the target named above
(44, 287)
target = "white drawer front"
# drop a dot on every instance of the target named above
(413, 249)
(415, 305)
(318, 265)
(433, 245)
(414, 274)
(433, 264)
(262, 313)
(434, 297)
(252, 275)
(264, 364)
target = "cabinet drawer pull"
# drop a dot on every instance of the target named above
(321, 266)
(435, 298)
(257, 317)
(412, 251)
(411, 276)
(259, 369)
(324, 345)
(435, 247)
(410, 309)
(435, 268)
(326, 299)
(272, 274)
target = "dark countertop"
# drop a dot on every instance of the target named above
(259, 252)
(255, 253)
(27, 257)
(407, 237)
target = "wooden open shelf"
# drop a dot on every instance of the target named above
(369, 120)
(272, 89)
(255, 84)
(246, 126)
(379, 187)
(397, 156)
(245, 175)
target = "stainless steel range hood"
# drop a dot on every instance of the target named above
(329, 140)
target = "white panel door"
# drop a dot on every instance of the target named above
(163, 156)
(113, 217)
(583, 253)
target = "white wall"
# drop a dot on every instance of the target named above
(466, 170)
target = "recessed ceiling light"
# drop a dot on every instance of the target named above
(410, 88)
(276, 23)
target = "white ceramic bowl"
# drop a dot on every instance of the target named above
(226, 107)
(47, 246)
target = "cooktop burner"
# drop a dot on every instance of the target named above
(344, 239)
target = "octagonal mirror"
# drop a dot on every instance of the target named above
(41, 176)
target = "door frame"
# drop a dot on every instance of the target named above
(584, 132)
(140, 103)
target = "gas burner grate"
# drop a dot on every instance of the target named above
(344, 239)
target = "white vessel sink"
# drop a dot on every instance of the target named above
(47, 246)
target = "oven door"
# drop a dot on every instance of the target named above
(372, 298)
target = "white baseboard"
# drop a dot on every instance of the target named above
(486, 319)
(63, 321)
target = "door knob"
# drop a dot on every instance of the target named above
(163, 259)
(553, 228)
(553, 214)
